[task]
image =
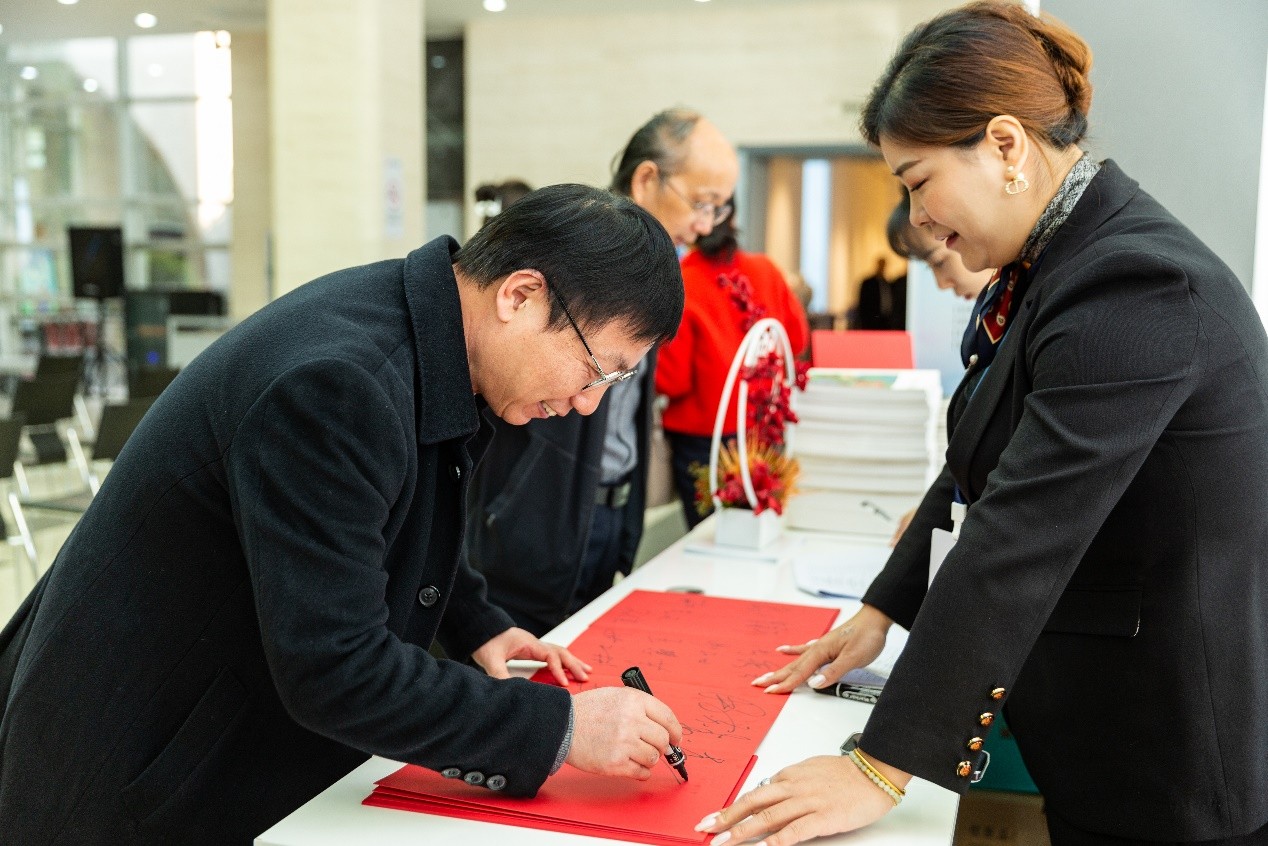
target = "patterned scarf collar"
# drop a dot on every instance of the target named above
(1059, 208)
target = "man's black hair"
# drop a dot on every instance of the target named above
(608, 259)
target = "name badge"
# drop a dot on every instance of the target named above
(939, 545)
(941, 541)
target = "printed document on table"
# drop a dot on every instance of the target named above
(842, 573)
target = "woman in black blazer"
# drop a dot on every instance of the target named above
(1109, 444)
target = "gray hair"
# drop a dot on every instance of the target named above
(661, 140)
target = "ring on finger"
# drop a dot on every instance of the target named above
(763, 782)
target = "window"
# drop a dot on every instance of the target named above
(133, 132)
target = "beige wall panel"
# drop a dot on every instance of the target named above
(346, 96)
(554, 99)
(252, 184)
(783, 212)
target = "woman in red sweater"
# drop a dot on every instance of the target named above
(728, 290)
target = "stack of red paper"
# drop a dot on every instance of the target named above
(698, 654)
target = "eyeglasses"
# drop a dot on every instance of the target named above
(714, 214)
(604, 379)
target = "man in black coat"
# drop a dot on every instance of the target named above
(547, 556)
(243, 614)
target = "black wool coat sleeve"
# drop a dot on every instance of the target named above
(243, 614)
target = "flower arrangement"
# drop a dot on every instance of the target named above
(758, 472)
(774, 478)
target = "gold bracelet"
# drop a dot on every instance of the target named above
(893, 791)
(872, 767)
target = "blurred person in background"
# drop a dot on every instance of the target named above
(728, 290)
(492, 198)
(949, 274)
(557, 506)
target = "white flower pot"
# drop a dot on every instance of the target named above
(741, 527)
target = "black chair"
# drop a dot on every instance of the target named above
(42, 402)
(150, 381)
(60, 365)
(116, 426)
(10, 446)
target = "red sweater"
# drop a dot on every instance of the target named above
(691, 369)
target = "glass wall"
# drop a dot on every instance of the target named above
(135, 133)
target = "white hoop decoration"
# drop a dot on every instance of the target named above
(767, 334)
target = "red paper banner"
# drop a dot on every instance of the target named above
(698, 654)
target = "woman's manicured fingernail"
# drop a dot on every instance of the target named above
(771, 689)
(812, 641)
(707, 823)
(783, 647)
(764, 678)
(817, 680)
(720, 839)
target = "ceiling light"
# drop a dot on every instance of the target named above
(145, 20)
(28, 73)
(154, 69)
(495, 5)
(1, 27)
(90, 85)
(68, 2)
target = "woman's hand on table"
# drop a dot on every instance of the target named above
(855, 643)
(518, 643)
(817, 797)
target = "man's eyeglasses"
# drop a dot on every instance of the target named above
(714, 214)
(604, 379)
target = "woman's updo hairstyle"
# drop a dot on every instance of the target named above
(956, 72)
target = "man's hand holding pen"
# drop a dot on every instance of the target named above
(621, 732)
(633, 678)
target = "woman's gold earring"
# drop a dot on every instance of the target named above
(1017, 185)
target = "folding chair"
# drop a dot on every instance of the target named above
(10, 445)
(42, 402)
(67, 365)
(117, 423)
(60, 365)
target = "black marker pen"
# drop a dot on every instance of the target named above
(633, 677)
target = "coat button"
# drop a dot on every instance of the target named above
(475, 777)
(496, 782)
(428, 596)
(451, 772)
(998, 693)
(986, 719)
(975, 743)
(973, 359)
(964, 769)
(455, 472)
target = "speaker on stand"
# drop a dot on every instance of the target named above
(96, 263)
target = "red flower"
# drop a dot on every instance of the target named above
(741, 290)
(769, 411)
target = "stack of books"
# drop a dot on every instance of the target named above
(868, 445)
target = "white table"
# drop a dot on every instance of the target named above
(810, 724)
